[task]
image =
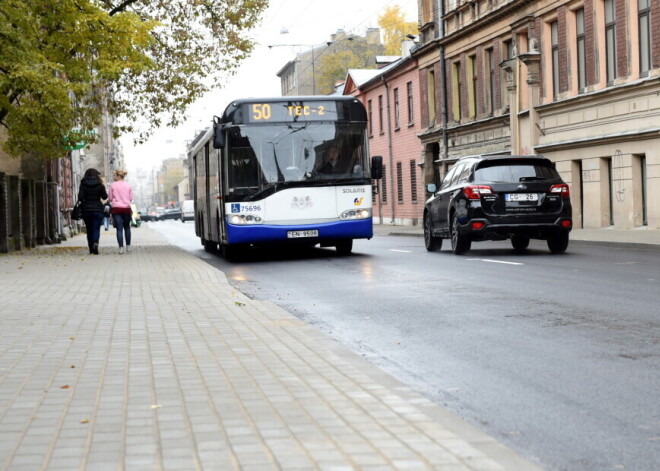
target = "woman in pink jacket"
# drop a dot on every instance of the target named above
(121, 196)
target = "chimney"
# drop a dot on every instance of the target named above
(373, 36)
(340, 32)
(406, 47)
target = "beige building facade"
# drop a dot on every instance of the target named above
(576, 81)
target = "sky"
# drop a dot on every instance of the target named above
(285, 23)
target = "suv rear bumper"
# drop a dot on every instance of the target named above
(483, 229)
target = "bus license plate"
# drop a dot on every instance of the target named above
(521, 197)
(299, 234)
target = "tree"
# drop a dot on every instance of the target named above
(63, 64)
(344, 54)
(395, 29)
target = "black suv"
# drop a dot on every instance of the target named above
(498, 197)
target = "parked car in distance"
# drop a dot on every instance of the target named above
(499, 197)
(187, 210)
(149, 214)
(170, 213)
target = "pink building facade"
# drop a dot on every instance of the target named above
(391, 97)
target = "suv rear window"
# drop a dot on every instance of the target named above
(515, 172)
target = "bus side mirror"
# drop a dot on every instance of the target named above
(218, 136)
(376, 167)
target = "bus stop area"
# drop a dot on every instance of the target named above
(151, 360)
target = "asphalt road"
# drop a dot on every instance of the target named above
(556, 356)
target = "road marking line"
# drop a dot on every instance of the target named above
(402, 251)
(495, 261)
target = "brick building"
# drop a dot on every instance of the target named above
(36, 195)
(577, 81)
(390, 96)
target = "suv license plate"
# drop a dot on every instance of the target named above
(521, 197)
(299, 234)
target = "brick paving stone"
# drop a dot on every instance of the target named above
(153, 361)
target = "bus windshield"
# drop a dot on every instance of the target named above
(264, 158)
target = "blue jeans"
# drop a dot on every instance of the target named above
(93, 221)
(123, 225)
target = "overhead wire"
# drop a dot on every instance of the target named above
(313, 62)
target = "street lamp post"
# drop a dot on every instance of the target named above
(313, 51)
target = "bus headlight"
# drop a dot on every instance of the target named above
(356, 214)
(244, 219)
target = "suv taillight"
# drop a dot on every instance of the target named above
(561, 188)
(474, 192)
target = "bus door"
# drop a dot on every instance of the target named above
(222, 186)
(208, 232)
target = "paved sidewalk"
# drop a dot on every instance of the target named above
(152, 361)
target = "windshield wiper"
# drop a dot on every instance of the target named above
(274, 188)
(355, 180)
(263, 193)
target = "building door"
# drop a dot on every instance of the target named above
(610, 186)
(639, 168)
(577, 194)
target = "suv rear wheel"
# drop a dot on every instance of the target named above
(431, 242)
(459, 243)
(519, 242)
(558, 242)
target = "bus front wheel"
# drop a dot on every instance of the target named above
(232, 253)
(345, 247)
(210, 246)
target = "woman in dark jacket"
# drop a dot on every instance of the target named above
(91, 195)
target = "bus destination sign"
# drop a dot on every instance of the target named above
(291, 111)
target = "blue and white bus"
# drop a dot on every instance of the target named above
(284, 170)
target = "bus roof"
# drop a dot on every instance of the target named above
(348, 108)
(200, 141)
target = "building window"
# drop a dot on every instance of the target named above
(456, 91)
(644, 18)
(413, 181)
(507, 48)
(430, 96)
(396, 109)
(380, 113)
(554, 41)
(610, 41)
(411, 119)
(472, 86)
(581, 54)
(490, 83)
(383, 186)
(371, 118)
(426, 11)
(399, 182)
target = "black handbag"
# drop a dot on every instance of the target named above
(76, 212)
(107, 208)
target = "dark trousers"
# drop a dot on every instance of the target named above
(93, 221)
(123, 225)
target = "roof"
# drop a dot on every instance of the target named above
(287, 66)
(360, 76)
(386, 59)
